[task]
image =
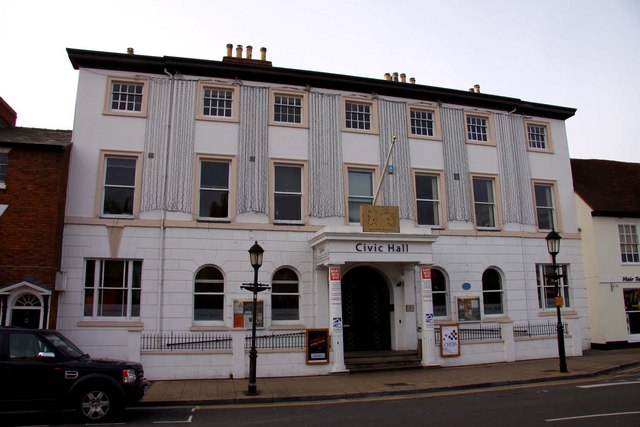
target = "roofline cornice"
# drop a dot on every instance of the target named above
(209, 68)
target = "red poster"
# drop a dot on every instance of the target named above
(334, 274)
(426, 273)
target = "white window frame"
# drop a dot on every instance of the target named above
(300, 194)
(304, 110)
(499, 291)
(628, 238)
(552, 208)
(294, 295)
(98, 290)
(533, 142)
(372, 115)
(437, 201)
(203, 86)
(105, 157)
(488, 125)
(196, 293)
(544, 282)
(200, 189)
(143, 83)
(435, 121)
(494, 204)
(351, 198)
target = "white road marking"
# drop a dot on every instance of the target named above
(608, 384)
(580, 417)
(187, 421)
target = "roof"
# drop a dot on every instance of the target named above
(245, 71)
(610, 188)
(35, 136)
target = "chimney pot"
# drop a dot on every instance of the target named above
(395, 76)
(263, 53)
(130, 50)
(412, 80)
(239, 51)
(476, 88)
(403, 78)
(229, 50)
(249, 51)
(387, 76)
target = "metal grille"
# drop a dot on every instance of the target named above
(277, 341)
(185, 341)
(539, 329)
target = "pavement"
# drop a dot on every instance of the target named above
(591, 364)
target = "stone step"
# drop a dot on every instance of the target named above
(381, 360)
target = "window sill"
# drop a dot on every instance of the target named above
(286, 327)
(276, 222)
(490, 229)
(217, 220)
(130, 325)
(140, 115)
(571, 313)
(3, 186)
(117, 216)
(203, 328)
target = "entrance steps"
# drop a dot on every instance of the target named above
(381, 360)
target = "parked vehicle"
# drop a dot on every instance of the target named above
(42, 369)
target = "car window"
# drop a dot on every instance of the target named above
(63, 344)
(26, 347)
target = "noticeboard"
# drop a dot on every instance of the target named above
(450, 340)
(243, 314)
(317, 346)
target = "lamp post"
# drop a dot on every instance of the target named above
(553, 246)
(255, 256)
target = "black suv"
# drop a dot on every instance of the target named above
(42, 369)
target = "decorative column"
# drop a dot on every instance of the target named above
(427, 322)
(335, 319)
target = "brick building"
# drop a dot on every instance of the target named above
(34, 165)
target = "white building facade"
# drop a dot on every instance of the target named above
(609, 221)
(180, 165)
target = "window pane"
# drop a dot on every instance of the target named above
(284, 307)
(288, 179)
(484, 216)
(483, 190)
(285, 274)
(287, 207)
(491, 280)
(426, 187)
(208, 287)
(112, 303)
(492, 302)
(113, 276)
(440, 305)
(214, 175)
(360, 183)
(120, 171)
(284, 288)
(214, 204)
(208, 307)
(118, 201)
(209, 273)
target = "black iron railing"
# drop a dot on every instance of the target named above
(289, 340)
(185, 341)
(475, 333)
(537, 329)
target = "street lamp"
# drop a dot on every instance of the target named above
(553, 246)
(255, 256)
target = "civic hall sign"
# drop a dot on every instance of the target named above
(384, 247)
(339, 247)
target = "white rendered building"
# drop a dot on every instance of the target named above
(608, 206)
(179, 165)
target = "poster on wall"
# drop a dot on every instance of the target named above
(469, 309)
(317, 346)
(243, 314)
(449, 340)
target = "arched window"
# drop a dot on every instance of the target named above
(285, 297)
(492, 292)
(208, 295)
(439, 291)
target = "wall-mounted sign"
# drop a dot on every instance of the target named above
(466, 286)
(243, 314)
(317, 346)
(382, 248)
(380, 218)
(449, 340)
(469, 309)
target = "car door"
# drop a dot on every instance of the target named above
(30, 378)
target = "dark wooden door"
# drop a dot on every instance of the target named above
(365, 310)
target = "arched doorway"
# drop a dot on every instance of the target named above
(365, 310)
(26, 312)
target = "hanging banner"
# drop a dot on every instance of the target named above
(449, 340)
(335, 299)
(427, 297)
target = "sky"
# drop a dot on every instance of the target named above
(583, 54)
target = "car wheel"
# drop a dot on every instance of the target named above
(98, 403)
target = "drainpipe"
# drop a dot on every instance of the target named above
(163, 206)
